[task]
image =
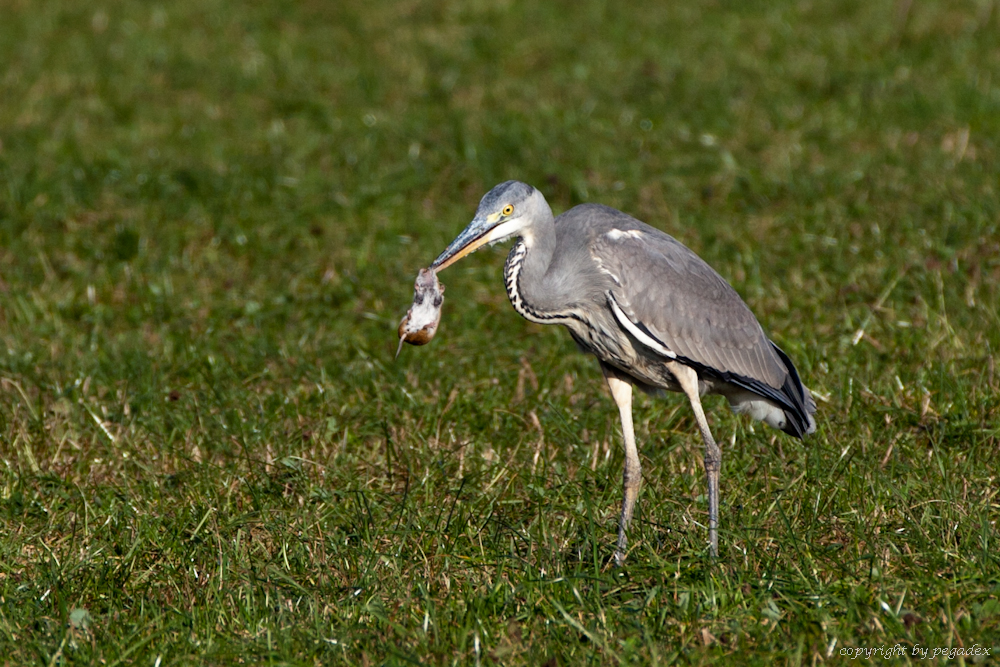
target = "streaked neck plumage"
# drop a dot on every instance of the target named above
(525, 273)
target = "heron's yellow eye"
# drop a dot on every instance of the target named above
(508, 209)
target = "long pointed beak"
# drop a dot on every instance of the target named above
(474, 236)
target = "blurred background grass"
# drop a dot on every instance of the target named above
(211, 215)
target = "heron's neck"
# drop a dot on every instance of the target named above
(525, 274)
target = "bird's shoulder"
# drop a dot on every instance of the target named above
(641, 256)
(595, 219)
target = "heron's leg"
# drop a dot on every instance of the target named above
(621, 391)
(687, 378)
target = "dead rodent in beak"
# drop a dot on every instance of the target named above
(422, 319)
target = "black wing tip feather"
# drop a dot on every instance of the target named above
(800, 420)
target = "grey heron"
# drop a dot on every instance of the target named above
(654, 314)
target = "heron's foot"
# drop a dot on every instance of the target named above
(621, 549)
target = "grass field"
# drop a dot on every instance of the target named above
(211, 215)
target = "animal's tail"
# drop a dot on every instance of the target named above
(799, 419)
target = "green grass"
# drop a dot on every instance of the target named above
(211, 215)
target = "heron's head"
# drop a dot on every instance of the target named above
(509, 209)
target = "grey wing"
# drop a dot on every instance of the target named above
(672, 296)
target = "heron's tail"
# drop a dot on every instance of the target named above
(799, 419)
